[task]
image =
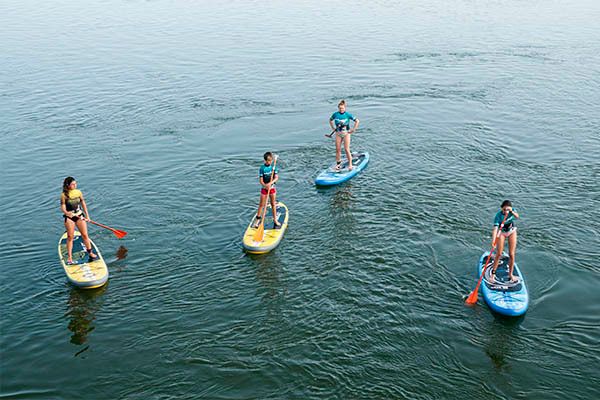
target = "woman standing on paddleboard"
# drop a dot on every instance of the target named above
(508, 231)
(75, 213)
(340, 122)
(265, 173)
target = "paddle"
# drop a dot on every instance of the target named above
(333, 131)
(472, 299)
(118, 233)
(260, 232)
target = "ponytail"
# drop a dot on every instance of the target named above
(66, 183)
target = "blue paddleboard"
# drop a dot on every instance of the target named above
(501, 295)
(330, 176)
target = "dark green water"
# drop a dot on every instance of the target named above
(162, 110)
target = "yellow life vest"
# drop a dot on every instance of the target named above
(72, 200)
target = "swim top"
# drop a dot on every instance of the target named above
(342, 121)
(508, 224)
(265, 172)
(73, 201)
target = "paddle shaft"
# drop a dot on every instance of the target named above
(115, 231)
(474, 293)
(333, 131)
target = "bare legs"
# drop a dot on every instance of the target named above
(82, 227)
(274, 208)
(347, 148)
(262, 203)
(512, 251)
(338, 149)
(70, 227)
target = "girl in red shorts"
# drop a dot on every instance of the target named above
(268, 188)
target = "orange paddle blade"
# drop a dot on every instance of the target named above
(260, 232)
(472, 299)
(119, 234)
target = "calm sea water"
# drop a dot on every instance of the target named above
(162, 110)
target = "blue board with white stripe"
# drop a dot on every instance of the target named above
(502, 296)
(331, 176)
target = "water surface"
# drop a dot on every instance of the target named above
(162, 111)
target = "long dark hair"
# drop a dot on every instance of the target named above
(68, 180)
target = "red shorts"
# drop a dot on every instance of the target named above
(263, 191)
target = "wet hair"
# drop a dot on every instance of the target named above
(506, 203)
(267, 155)
(342, 103)
(66, 183)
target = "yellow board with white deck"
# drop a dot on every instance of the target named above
(82, 273)
(272, 236)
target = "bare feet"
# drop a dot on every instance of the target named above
(514, 279)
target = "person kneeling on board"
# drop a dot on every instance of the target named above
(508, 231)
(265, 173)
(71, 204)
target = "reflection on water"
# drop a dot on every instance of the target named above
(501, 340)
(121, 253)
(343, 198)
(82, 308)
(269, 274)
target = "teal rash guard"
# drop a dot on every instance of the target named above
(265, 172)
(342, 121)
(508, 224)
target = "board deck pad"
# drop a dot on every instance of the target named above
(502, 281)
(281, 213)
(357, 158)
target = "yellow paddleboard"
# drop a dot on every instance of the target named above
(83, 274)
(271, 237)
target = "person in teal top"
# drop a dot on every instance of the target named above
(509, 230)
(340, 123)
(267, 188)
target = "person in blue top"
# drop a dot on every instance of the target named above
(509, 230)
(268, 188)
(340, 122)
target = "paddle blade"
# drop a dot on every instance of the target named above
(119, 234)
(472, 299)
(260, 232)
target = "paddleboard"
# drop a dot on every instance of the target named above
(501, 295)
(83, 274)
(331, 176)
(271, 237)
